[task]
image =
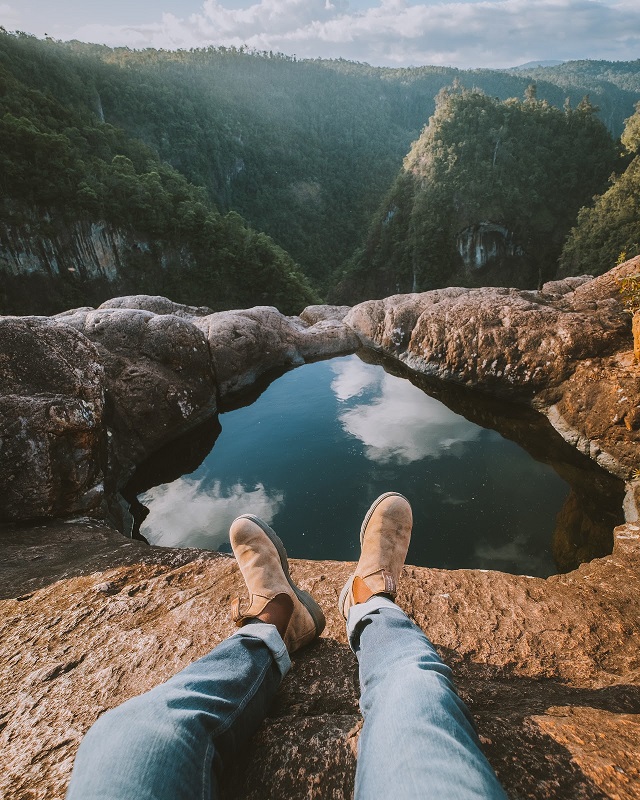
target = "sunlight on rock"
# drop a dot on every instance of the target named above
(398, 422)
(188, 514)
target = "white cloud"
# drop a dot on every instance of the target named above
(185, 514)
(400, 423)
(395, 32)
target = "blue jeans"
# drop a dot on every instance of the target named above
(173, 742)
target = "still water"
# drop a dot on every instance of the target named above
(323, 441)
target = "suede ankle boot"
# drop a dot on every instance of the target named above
(384, 537)
(263, 562)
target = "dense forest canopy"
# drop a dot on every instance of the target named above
(612, 86)
(609, 231)
(484, 175)
(262, 173)
(304, 150)
(59, 163)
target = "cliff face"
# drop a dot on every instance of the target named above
(484, 244)
(89, 618)
(62, 257)
(88, 249)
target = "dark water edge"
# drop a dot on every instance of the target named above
(503, 510)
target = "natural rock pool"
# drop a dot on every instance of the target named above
(322, 441)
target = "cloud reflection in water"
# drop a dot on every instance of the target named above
(187, 514)
(511, 555)
(398, 423)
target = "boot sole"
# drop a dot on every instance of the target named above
(347, 587)
(304, 597)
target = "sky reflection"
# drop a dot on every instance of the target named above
(186, 514)
(396, 421)
(511, 554)
(323, 441)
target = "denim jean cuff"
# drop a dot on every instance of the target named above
(270, 636)
(360, 610)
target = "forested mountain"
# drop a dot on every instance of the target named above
(611, 85)
(610, 228)
(157, 147)
(61, 168)
(486, 196)
(304, 150)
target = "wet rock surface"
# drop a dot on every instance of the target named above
(506, 341)
(89, 618)
(566, 350)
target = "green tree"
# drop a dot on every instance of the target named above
(520, 170)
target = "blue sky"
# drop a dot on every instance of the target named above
(467, 33)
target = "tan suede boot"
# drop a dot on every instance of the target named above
(384, 536)
(263, 562)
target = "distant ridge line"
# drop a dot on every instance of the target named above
(535, 64)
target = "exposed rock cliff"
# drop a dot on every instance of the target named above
(52, 425)
(566, 350)
(549, 667)
(485, 243)
(158, 367)
(90, 249)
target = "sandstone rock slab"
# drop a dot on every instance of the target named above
(157, 305)
(550, 667)
(506, 341)
(158, 375)
(52, 441)
(246, 345)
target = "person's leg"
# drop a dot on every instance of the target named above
(417, 740)
(173, 742)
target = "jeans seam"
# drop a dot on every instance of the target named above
(278, 654)
(249, 695)
(207, 766)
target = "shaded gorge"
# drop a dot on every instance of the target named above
(492, 485)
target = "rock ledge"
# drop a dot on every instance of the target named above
(89, 618)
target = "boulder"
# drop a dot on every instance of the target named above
(564, 285)
(158, 375)
(157, 305)
(162, 366)
(52, 438)
(565, 350)
(246, 345)
(313, 314)
(506, 341)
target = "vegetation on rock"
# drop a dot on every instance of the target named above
(612, 223)
(630, 292)
(160, 146)
(486, 196)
